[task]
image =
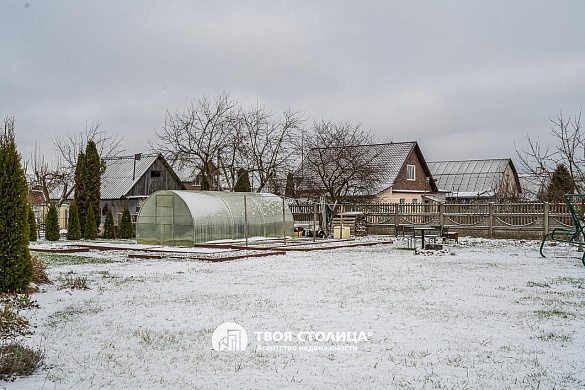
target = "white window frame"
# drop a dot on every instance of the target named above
(411, 172)
(401, 205)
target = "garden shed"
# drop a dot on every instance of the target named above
(189, 217)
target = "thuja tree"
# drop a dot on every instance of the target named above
(73, 226)
(126, 230)
(90, 226)
(52, 224)
(15, 261)
(561, 183)
(109, 230)
(81, 197)
(243, 182)
(32, 225)
(93, 168)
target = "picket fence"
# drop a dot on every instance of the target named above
(489, 220)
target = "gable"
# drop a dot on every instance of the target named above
(122, 175)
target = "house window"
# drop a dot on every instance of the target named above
(154, 173)
(410, 172)
(414, 201)
(401, 206)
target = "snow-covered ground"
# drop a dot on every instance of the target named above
(486, 314)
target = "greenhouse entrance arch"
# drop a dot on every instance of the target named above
(186, 218)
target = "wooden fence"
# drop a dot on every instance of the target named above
(491, 220)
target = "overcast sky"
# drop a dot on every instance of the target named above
(466, 79)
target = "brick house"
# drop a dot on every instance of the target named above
(405, 176)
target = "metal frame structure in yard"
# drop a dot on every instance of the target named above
(574, 235)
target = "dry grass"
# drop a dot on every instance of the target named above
(74, 282)
(12, 324)
(39, 272)
(17, 360)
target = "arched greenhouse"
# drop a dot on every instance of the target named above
(190, 217)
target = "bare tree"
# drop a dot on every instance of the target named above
(218, 136)
(541, 161)
(58, 175)
(337, 164)
(194, 140)
(234, 155)
(268, 145)
(47, 178)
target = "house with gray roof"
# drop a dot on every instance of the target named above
(534, 186)
(128, 180)
(477, 180)
(404, 177)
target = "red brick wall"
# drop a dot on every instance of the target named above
(418, 184)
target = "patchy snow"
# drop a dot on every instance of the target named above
(481, 314)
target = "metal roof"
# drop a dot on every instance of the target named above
(391, 156)
(120, 175)
(533, 186)
(469, 177)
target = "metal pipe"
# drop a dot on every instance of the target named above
(283, 221)
(246, 220)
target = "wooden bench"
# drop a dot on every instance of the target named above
(573, 236)
(447, 235)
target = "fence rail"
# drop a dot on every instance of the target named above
(491, 220)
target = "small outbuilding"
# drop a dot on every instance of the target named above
(189, 217)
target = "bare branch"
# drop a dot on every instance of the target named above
(339, 167)
(569, 151)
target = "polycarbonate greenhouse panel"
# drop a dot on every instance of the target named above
(189, 217)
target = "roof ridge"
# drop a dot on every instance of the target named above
(476, 159)
(132, 157)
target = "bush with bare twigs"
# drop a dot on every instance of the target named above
(39, 272)
(16, 359)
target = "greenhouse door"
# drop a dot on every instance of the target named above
(164, 219)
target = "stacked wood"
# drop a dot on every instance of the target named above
(355, 220)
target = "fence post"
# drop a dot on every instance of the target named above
(284, 221)
(491, 220)
(314, 220)
(396, 218)
(545, 221)
(246, 220)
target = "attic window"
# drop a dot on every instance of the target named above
(410, 172)
(154, 173)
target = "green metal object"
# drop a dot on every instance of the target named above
(572, 236)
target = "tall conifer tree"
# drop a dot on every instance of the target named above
(94, 175)
(126, 229)
(90, 226)
(73, 227)
(109, 230)
(52, 224)
(15, 261)
(80, 198)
